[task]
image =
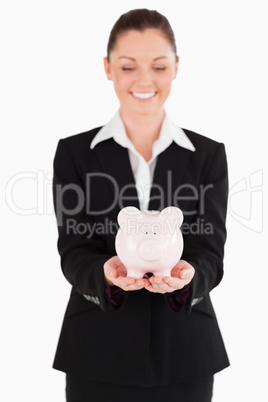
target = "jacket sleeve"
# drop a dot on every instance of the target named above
(82, 256)
(206, 234)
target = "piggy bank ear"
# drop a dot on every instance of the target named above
(173, 213)
(126, 213)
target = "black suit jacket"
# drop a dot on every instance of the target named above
(143, 341)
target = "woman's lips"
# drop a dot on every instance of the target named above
(143, 96)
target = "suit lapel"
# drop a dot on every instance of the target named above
(170, 168)
(115, 162)
(168, 176)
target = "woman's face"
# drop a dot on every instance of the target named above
(142, 66)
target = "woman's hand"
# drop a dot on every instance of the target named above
(181, 275)
(116, 274)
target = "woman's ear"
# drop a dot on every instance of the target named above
(107, 68)
(176, 68)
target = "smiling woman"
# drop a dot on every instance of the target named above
(148, 338)
(147, 74)
(142, 66)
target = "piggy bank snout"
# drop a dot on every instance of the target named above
(150, 250)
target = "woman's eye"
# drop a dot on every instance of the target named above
(159, 68)
(127, 68)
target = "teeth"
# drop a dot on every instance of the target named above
(143, 95)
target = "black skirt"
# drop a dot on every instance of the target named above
(81, 390)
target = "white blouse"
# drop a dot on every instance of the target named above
(143, 171)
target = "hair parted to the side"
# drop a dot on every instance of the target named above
(139, 20)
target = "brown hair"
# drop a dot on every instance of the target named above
(139, 20)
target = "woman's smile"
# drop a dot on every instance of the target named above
(144, 96)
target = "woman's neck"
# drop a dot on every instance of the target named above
(143, 130)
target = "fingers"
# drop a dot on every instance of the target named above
(161, 288)
(116, 274)
(181, 275)
(113, 272)
(174, 283)
(157, 285)
(179, 281)
(183, 270)
(113, 268)
(185, 275)
(128, 283)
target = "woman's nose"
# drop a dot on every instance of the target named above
(144, 77)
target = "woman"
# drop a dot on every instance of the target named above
(124, 338)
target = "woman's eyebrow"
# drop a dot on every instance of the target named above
(126, 57)
(131, 58)
(161, 57)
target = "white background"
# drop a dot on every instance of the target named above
(53, 85)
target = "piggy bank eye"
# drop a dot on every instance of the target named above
(145, 229)
(156, 231)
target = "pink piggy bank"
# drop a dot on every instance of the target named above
(149, 241)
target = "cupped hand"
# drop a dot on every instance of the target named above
(181, 275)
(116, 274)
